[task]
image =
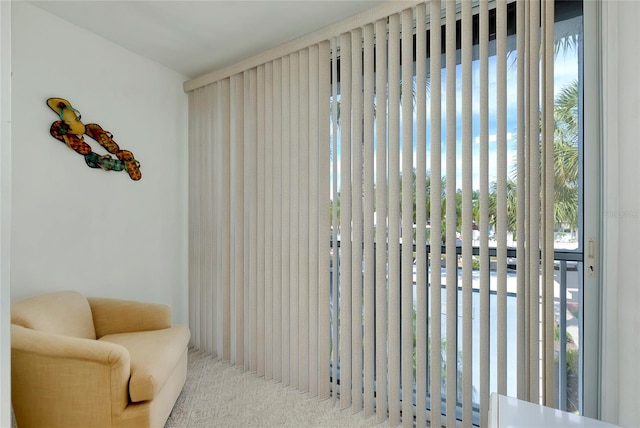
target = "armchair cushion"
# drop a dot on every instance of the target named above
(65, 312)
(125, 316)
(154, 355)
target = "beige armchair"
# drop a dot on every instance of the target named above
(96, 362)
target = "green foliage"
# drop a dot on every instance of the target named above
(476, 263)
(566, 177)
(556, 335)
(566, 166)
(572, 362)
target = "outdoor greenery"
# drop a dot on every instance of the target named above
(566, 176)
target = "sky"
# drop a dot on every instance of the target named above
(565, 72)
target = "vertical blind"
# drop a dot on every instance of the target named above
(259, 203)
(327, 248)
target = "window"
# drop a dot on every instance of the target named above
(569, 232)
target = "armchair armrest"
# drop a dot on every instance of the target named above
(62, 381)
(124, 316)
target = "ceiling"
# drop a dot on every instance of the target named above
(196, 37)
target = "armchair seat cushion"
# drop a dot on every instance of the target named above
(154, 355)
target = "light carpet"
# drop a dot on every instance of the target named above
(217, 394)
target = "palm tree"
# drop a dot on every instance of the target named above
(566, 156)
(443, 197)
(512, 204)
(566, 165)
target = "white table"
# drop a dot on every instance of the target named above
(509, 412)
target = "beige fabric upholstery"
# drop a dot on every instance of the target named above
(65, 312)
(55, 377)
(153, 357)
(62, 378)
(124, 316)
(156, 411)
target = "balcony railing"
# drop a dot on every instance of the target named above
(568, 315)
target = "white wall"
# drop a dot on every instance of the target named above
(5, 211)
(621, 160)
(85, 229)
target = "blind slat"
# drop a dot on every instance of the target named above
(484, 357)
(406, 310)
(345, 222)
(369, 218)
(260, 208)
(393, 301)
(212, 299)
(421, 216)
(521, 260)
(335, 229)
(382, 403)
(501, 167)
(252, 144)
(467, 214)
(237, 216)
(451, 216)
(286, 215)
(249, 186)
(534, 203)
(195, 175)
(357, 220)
(278, 168)
(303, 215)
(294, 242)
(225, 220)
(313, 217)
(268, 159)
(435, 217)
(323, 223)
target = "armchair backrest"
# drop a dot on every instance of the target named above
(64, 312)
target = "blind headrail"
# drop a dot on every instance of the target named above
(332, 30)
